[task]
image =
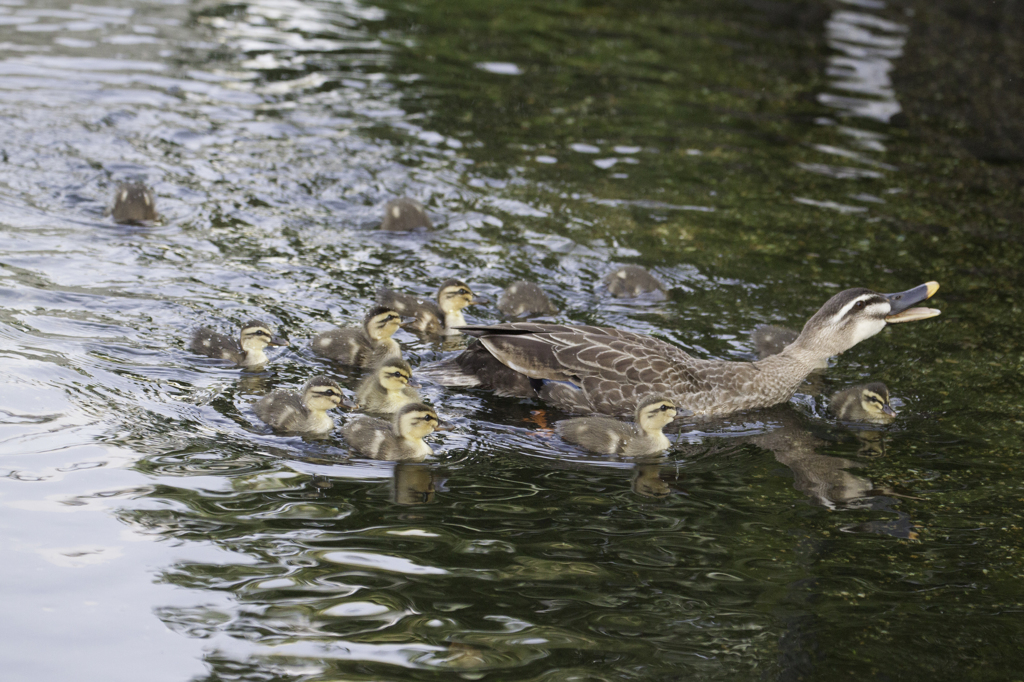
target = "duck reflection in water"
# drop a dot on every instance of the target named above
(412, 484)
(826, 479)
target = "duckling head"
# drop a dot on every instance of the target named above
(415, 421)
(381, 323)
(869, 403)
(653, 413)
(853, 315)
(257, 335)
(453, 296)
(394, 374)
(321, 394)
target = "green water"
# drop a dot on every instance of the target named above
(757, 157)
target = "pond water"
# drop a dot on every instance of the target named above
(756, 156)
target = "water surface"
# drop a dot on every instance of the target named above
(756, 157)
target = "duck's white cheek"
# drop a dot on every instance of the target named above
(865, 329)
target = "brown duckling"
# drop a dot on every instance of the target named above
(399, 439)
(524, 299)
(386, 388)
(607, 436)
(404, 215)
(629, 281)
(301, 413)
(246, 352)
(364, 346)
(864, 403)
(430, 318)
(134, 204)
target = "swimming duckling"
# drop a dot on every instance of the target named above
(434, 319)
(607, 436)
(134, 203)
(305, 413)
(523, 299)
(246, 352)
(399, 439)
(865, 403)
(629, 281)
(387, 388)
(404, 215)
(363, 346)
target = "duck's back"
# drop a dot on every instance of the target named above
(347, 345)
(602, 435)
(429, 317)
(282, 410)
(212, 344)
(371, 437)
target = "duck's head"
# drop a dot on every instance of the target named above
(394, 374)
(454, 295)
(416, 421)
(257, 335)
(381, 322)
(853, 315)
(869, 403)
(653, 413)
(321, 393)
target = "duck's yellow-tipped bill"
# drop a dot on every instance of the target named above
(902, 302)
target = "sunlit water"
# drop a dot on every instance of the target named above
(757, 159)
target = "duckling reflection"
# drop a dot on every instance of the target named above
(304, 413)
(608, 436)
(364, 346)
(404, 215)
(866, 403)
(401, 439)
(134, 204)
(387, 388)
(432, 319)
(525, 299)
(630, 281)
(823, 478)
(412, 484)
(247, 352)
(647, 481)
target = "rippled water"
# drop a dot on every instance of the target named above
(757, 157)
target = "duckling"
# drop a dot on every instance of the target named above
(433, 319)
(134, 204)
(401, 439)
(246, 352)
(609, 371)
(607, 436)
(305, 413)
(629, 281)
(523, 299)
(387, 388)
(865, 403)
(363, 346)
(404, 215)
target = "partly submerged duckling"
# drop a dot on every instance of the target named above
(608, 436)
(434, 319)
(246, 352)
(305, 413)
(363, 346)
(134, 203)
(399, 439)
(387, 388)
(864, 403)
(404, 215)
(770, 340)
(523, 299)
(629, 281)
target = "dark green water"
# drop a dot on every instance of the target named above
(758, 157)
